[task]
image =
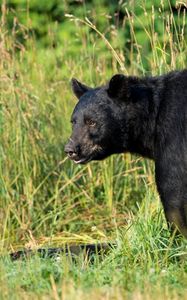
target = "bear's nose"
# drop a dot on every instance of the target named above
(71, 151)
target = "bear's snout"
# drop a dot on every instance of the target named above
(72, 150)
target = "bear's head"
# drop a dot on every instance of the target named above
(103, 118)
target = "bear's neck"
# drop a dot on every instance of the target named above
(143, 141)
(142, 130)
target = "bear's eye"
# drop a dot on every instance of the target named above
(90, 122)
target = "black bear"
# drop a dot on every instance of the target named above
(147, 116)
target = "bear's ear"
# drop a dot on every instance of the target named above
(118, 86)
(79, 88)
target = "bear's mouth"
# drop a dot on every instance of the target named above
(97, 153)
(83, 160)
(93, 156)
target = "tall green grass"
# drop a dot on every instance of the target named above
(48, 201)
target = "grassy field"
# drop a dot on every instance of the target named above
(46, 200)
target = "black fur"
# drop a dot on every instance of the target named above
(147, 116)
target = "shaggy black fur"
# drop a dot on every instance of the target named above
(147, 116)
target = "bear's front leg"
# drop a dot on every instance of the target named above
(171, 180)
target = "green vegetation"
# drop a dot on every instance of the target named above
(48, 201)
